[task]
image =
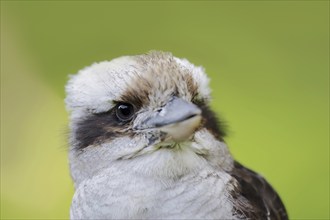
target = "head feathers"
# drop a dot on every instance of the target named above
(149, 79)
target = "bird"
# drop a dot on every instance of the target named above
(145, 144)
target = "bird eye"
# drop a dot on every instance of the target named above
(124, 111)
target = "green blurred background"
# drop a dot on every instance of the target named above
(268, 61)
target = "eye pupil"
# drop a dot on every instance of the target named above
(124, 111)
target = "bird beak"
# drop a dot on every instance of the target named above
(178, 119)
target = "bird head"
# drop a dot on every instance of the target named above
(147, 113)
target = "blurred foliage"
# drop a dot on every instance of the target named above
(268, 61)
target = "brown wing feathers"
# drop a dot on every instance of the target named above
(255, 198)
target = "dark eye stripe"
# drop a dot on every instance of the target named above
(106, 126)
(98, 128)
(211, 122)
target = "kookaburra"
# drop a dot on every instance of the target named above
(144, 144)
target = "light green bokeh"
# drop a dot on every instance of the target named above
(269, 67)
